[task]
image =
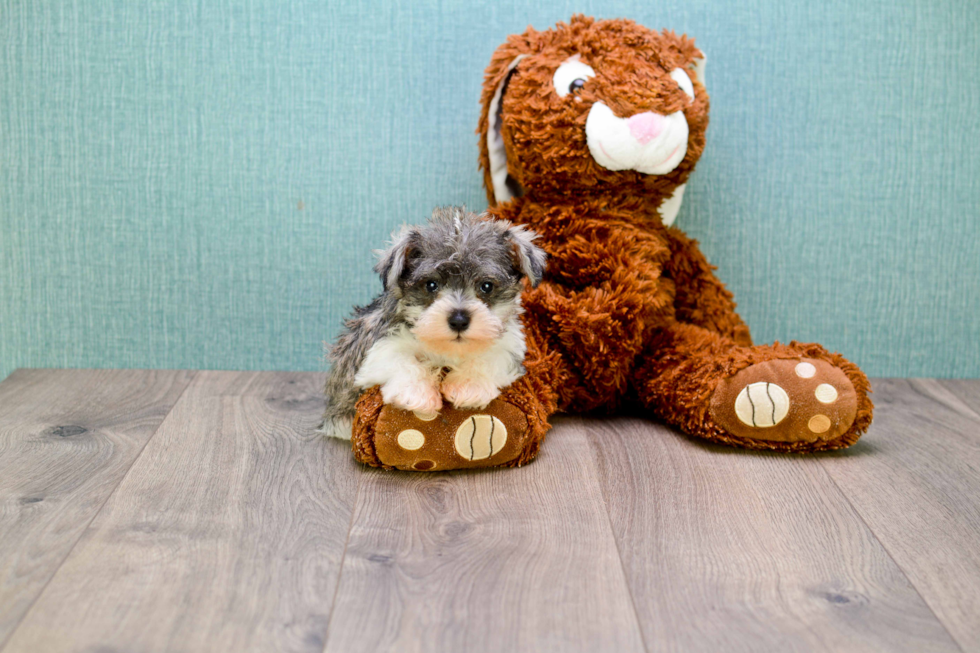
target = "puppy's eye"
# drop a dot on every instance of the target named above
(571, 76)
(431, 286)
(486, 287)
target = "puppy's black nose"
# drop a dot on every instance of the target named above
(459, 320)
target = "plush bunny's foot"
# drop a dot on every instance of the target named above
(449, 439)
(786, 401)
(508, 431)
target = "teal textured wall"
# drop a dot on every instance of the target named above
(199, 184)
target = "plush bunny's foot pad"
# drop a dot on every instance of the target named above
(799, 400)
(450, 439)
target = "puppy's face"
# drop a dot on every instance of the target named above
(459, 279)
(459, 307)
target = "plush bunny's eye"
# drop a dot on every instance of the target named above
(683, 81)
(571, 76)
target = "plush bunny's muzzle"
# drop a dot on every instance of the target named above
(645, 131)
(647, 142)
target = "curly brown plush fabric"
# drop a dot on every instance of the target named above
(632, 308)
(630, 312)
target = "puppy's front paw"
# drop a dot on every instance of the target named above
(418, 396)
(467, 393)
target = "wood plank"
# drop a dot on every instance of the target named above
(915, 480)
(226, 535)
(743, 551)
(67, 438)
(488, 560)
(967, 390)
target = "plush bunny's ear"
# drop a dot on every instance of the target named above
(528, 257)
(698, 67)
(393, 262)
(504, 186)
(500, 186)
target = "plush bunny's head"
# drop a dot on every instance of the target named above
(593, 106)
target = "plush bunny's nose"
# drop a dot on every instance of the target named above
(646, 126)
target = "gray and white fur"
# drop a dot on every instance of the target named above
(447, 325)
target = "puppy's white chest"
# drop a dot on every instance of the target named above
(438, 362)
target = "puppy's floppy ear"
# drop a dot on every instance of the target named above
(393, 262)
(528, 257)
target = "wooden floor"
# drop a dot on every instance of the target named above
(198, 511)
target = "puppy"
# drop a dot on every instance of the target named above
(447, 324)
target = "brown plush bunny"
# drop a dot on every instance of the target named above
(588, 133)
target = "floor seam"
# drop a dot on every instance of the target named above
(890, 555)
(975, 413)
(343, 560)
(27, 612)
(619, 552)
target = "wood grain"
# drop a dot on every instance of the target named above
(740, 551)
(67, 438)
(915, 480)
(492, 560)
(227, 534)
(967, 390)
